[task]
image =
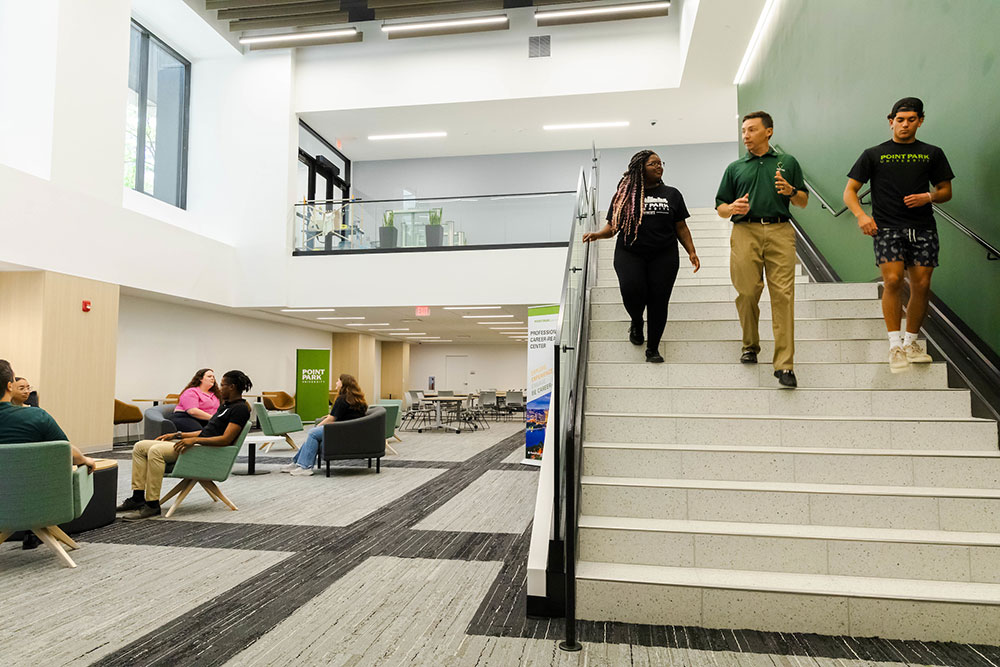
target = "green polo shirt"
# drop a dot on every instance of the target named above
(23, 424)
(755, 174)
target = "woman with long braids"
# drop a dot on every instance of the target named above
(649, 218)
(150, 457)
(350, 404)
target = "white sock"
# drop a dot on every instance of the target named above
(909, 338)
(895, 339)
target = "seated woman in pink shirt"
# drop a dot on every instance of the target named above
(197, 403)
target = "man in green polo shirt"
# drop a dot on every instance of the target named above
(755, 193)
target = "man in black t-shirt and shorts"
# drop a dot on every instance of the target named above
(902, 222)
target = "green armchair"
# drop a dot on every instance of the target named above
(40, 489)
(277, 423)
(204, 466)
(391, 417)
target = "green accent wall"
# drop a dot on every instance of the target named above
(829, 72)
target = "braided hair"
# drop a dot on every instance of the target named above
(239, 380)
(627, 203)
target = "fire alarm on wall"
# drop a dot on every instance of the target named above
(86, 306)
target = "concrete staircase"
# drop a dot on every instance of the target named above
(862, 503)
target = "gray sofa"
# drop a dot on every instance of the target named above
(156, 421)
(361, 438)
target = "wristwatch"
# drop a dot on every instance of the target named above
(794, 191)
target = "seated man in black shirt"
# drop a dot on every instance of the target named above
(150, 457)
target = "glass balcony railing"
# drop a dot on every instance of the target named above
(486, 221)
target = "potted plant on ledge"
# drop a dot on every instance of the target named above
(387, 233)
(433, 231)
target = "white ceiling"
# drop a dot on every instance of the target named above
(700, 110)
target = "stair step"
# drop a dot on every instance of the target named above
(872, 350)
(727, 293)
(809, 465)
(870, 506)
(787, 602)
(815, 374)
(685, 279)
(698, 330)
(776, 401)
(721, 310)
(936, 555)
(793, 430)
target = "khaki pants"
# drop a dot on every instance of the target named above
(759, 250)
(149, 458)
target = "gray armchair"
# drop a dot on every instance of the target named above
(156, 421)
(362, 438)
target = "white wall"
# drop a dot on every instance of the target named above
(499, 366)
(586, 58)
(695, 169)
(162, 344)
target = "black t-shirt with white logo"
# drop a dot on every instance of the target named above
(897, 170)
(236, 412)
(663, 207)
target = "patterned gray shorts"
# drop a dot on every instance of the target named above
(912, 247)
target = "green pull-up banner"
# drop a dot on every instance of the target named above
(312, 383)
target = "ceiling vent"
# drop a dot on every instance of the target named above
(540, 46)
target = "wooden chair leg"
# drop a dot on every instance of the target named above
(58, 533)
(45, 536)
(4, 536)
(398, 439)
(211, 495)
(174, 491)
(209, 484)
(188, 485)
(389, 447)
(291, 442)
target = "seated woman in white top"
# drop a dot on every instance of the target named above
(197, 403)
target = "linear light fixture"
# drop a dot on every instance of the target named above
(509, 328)
(471, 308)
(437, 341)
(368, 324)
(418, 333)
(512, 322)
(586, 126)
(636, 10)
(382, 330)
(312, 38)
(340, 318)
(410, 135)
(482, 317)
(762, 21)
(308, 310)
(446, 27)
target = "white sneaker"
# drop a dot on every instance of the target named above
(897, 360)
(291, 467)
(916, 354)
(301, 472)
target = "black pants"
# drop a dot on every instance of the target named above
(185, 423)
(646, 280)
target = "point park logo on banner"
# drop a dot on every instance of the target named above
(312, 375)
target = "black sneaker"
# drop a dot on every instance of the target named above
(786, 379)
(653, 357)
(748, 357)
(635, 334)
(30, 541)
(144, 512)
(130, 505)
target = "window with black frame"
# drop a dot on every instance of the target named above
(156, 129)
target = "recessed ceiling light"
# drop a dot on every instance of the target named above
(308, 310)
(586, 126)
(482, 317)
(380, 330)
(606, 13)
(410, 135)
(420, 333)
(511, 322)
(436, 341)
(303, 37)
(340, 318)
(472, 308)
(509, 328)
(368, 324)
